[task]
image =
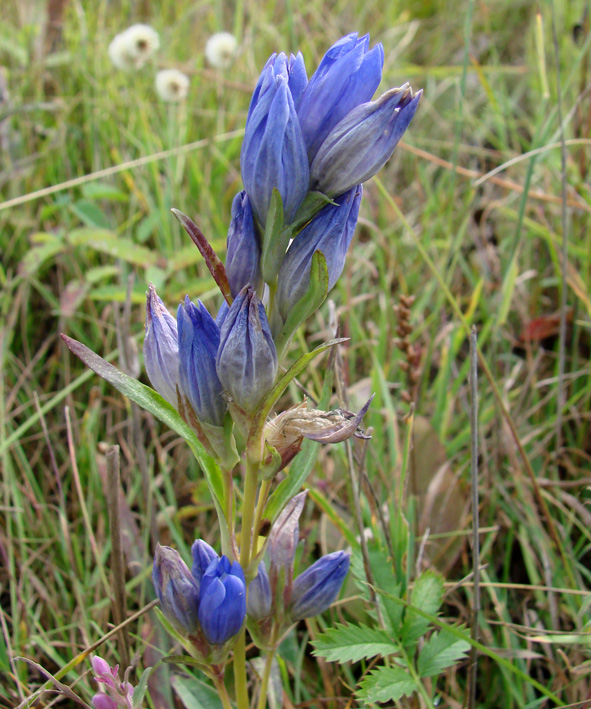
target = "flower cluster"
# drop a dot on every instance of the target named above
(275, 596)
(206, 603)
(115, 694)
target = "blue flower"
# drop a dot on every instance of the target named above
(330, 232)
(176, 589)
(273, 152)
(315, 589)
(199, 338)
(161, 348)
(203, 555)
(247, 358)
(243, 251)
(347, 76)
(222, 606)
(363, 141)
(258, 603)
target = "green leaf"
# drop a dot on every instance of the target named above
(91, 214)
(100, 190)
(309, 303)
(312, 204)
(46, 247)
(351, 643)
(275, 239)
(141, 688)
(108, 242)
(194, 693)
(440, 651)
(427, 595)
(386, 684)
(151, 401)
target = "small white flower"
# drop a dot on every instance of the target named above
(220, 49)
(172, 85)
(134, 47)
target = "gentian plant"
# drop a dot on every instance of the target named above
(308, 147)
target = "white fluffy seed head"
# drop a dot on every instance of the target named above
(172, 85)
(132, 48)
(220, 49)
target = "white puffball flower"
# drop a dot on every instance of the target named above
(132, 48)
(172, 85)
(220, 49)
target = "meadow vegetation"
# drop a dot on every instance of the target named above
(92, 161)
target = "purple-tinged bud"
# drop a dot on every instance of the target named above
(347, 76)
(243, 251)
(273, 151)
(330, 232)
(161, 348)
(221, 316)
(203, 555)
(199, 338)
(317, 588)
(103, 701)
(176, 590)
(363, 141)
(285, 533)
(104, 673)
(259, 602)
(222, 607)
(247, 358)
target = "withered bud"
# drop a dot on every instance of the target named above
(286, 431)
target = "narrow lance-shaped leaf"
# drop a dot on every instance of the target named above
(351, 643)
(151, 401)
(212, 260)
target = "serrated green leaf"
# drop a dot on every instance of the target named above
(427, 595)
(351, 643)
(439, 652)
(108, 242)
(141, 688)
(151, 401)
(194, 693)
(386, 684)
(313, 298)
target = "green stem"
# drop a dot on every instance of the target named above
(265, 487)
(240, 671)
(248, 505)
(218, 680)
(262, 703)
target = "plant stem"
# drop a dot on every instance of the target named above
(240, 671)
(218, 680)
(262, 703)
(265, 487)
(248, 505)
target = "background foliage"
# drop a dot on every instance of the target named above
(490, 250)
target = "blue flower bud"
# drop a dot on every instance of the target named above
(247, 358)
(161, 348)
(273, 151)
(203, 555)
(199, 338)
(347, 76)
(222, 312)
(258, 603)
(315, 589)
(293, 70)
(243, 251)
(330, 232)
(223, 600)
(363, 141)
(176, 590)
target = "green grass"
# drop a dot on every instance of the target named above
(491, 252)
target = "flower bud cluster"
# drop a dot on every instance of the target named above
(115, 694)
(207, 603)
(323, 135)
(275, 595)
